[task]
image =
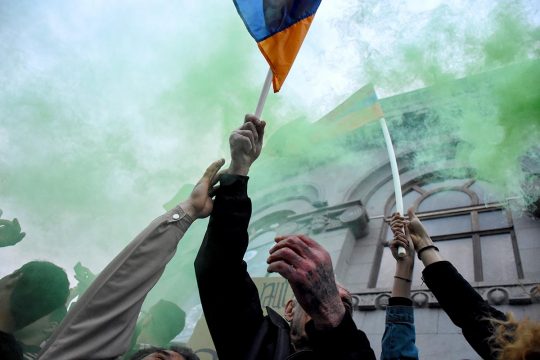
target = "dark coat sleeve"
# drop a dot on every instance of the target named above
(344, 342)
(465, 307)
(229, 297)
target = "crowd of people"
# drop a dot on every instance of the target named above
(105, 323)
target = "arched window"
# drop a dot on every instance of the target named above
(469, 224)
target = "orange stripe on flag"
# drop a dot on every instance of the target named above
(355, 120)
(281, 49)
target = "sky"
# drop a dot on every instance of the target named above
(107, 109)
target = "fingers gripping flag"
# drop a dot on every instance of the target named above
(279, 27)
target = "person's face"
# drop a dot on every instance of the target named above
(7, 284)
(37, 332)
(9, 281)
(164, 355)
(300, 318)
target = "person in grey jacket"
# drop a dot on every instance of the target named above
(101, 323)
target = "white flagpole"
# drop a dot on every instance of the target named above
(264, 94)
(395, 175)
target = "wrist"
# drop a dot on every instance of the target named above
(238, 169)
(404, 269)
(430, 256)
(329, 319)
(189, 209)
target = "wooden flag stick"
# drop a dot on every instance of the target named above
(395, 175)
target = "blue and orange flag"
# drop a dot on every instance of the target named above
(279, 28)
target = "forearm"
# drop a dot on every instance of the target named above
(402, 280)
(465, 307)
(101, 322)
(221, 271)
(430, 256)
(399, 335)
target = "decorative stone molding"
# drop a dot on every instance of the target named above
(329, 218)
(420, 299)
(381, 301)
(497, 296)
(504, 294)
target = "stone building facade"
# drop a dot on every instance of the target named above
(492, 240)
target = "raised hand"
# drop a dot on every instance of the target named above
(397, 224)
(418, 233)
(199, 204)
(246, 145)
(84, 276)
(308, 268)
(10, 232)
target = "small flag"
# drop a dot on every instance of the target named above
(279, 28)
(360, 108)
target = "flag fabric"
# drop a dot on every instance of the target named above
(359, 109)
(279, 28)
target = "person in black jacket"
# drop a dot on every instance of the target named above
(321, 325)
(491, 333)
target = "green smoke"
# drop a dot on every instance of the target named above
(495, 115)
(108, 110)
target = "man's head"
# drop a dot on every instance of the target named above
(35, 290)
(161, 324)
(298, 318)
(38, 331)
(172, 353)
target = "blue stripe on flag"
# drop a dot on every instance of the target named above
(263, 23)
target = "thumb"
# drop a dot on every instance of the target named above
(411, 214)
(212, 170)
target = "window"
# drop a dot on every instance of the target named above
(257, 253)
(468, 224)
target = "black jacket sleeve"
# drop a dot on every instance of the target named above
(344, 342)
(229, 297)
(465, 307)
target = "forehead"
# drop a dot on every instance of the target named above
(164, 355)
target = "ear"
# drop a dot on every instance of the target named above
(12, 280)
(289, 310)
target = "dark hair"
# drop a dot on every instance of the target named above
(186, 352)
(41, 288)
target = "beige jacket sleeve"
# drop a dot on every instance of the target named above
(102, 321)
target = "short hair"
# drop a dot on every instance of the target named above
(168, 320)
(186, 352)
(41, 288)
